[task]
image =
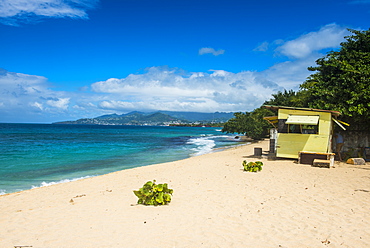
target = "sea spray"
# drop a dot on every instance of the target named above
(202, 145)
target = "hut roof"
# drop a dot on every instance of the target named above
(333, 112)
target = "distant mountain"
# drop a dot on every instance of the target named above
(154, 118)
(108, 116)
(133, 118)
(203, 117)
(188, 116)
(123, 115)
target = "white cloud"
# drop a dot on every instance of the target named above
(164, 88)
(216, 90)
(25, 95)
(329, 36)
(37, 105)
(60, 103)
(302, 53)
(290, 74)
(266, 46)
(170, 89)
(263, 47)
(206, 50)
(13, 12)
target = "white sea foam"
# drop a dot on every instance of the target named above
(202, 145)
(2, 192)
(44, 184)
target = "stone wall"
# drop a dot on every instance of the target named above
(354, 143)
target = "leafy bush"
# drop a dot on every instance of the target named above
(252, 166)
(154, 194)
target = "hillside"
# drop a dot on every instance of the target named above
(153, 118)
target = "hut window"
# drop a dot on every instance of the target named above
(299, 124)
(303, 119)
(282, 127)
(309, 129)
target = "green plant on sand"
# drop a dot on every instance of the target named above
(154, 194)
(252, 166)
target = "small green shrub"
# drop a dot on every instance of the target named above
(154, 194)
(252, 166)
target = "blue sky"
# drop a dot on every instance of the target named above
(64, 60)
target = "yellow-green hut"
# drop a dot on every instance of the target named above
(302, 130)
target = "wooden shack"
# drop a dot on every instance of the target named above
(303, 131)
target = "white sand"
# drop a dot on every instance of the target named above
(215, 204)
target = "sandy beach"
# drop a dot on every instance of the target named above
(215, 204)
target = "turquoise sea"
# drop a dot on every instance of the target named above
(36, 155)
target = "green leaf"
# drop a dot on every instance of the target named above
(259, 163)
(155, 188)
(167, 198)
(138, 193)
(149, 183)
(152, 194)
(160, 187)
(159, 198)
(252, 166)
(145, 192)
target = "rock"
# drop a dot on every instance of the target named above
(356, 161)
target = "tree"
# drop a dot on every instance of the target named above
(236, 124)
(250, 124)
(286, 98)
(342, 80)
(258, 127)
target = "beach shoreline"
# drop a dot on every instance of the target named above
(95, 150)
(214, 204)
(243, 141)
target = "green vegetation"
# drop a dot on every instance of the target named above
(252, 166)
(341, 82)
(288, 98)
(251, 124)
(154, 194)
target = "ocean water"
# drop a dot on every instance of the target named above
(36, 155)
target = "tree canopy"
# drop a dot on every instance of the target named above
(250, 124)
(342, 79)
